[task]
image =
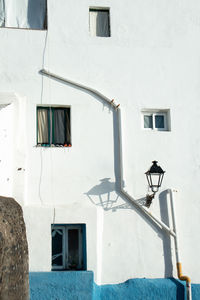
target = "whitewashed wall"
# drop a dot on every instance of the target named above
(152, 61)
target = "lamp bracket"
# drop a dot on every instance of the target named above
(149, 199)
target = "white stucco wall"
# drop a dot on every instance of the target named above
(151, 61)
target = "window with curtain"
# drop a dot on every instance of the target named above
(99, 22)
(31, 14)
(53, 126)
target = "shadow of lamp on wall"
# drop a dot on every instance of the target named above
(154, 178)
(103, 194)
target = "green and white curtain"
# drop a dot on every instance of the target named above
(53, 126)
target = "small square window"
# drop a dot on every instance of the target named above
(68, 247)
(53, 126)
(99, 19)
(156, 120)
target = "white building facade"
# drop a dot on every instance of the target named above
(145, 56)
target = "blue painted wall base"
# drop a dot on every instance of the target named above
(80, 286)
(61, 285)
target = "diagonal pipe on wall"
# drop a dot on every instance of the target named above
(143, 210)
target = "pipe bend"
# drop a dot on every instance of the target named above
(181, 276)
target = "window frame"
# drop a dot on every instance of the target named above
(154, 113)
(101, 9)
(51, 109)
(82, 246)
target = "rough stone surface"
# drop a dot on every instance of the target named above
(14, 280)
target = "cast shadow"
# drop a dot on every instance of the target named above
(180, 289)
(102, 194)
(164, 213)
(105, 195)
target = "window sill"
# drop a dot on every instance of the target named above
(155, 130)
(52, 146)
(23, 28)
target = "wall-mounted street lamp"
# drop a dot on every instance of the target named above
(154, 177)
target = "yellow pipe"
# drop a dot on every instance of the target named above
(180, 275)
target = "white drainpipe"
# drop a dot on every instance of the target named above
(143, 209)
(178, 262)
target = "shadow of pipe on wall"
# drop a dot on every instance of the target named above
(107, 194)
(166, 239)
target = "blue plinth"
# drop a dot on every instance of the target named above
(61, 285)
(80, 286)
(142, 289)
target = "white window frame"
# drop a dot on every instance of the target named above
(65, 229)
(154, 114)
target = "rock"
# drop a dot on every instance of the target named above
(14, 276)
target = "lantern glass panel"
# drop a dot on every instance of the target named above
(149, 179)
(160, 179)
(155, 179)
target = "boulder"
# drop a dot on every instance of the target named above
(14, 275)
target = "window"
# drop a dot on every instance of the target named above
(68, 247)
(156, 120)
(53, 126)
(99, 22)
(29, 14)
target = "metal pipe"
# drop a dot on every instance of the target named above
(123, 192)
(118, 112)
(178, 263)
(82, 86)
(146, 212)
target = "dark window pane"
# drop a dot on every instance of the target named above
(102, 25)
(73, 248)
(68, 128)
(59, 126)
(57, 247)
(45, 16)
(159, 121)
(148, 122)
